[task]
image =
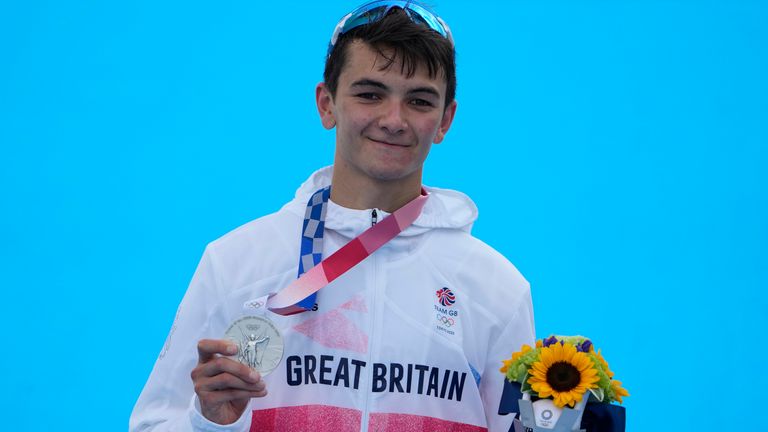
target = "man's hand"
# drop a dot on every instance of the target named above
(223, 385)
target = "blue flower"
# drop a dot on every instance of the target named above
(549, 341)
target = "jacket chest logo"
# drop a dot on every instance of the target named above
(446, 316)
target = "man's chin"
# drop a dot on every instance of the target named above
(391, 174)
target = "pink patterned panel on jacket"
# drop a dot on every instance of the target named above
(392, 422)
(318, 418)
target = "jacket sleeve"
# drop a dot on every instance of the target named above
(518, 331)
(168, 401)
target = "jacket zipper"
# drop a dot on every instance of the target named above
(371, 339)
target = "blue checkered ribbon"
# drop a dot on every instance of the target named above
(312, 238)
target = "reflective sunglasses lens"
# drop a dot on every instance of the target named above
(376, 10)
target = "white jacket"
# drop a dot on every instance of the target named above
(381, 352)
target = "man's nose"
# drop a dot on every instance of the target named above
(392, 118)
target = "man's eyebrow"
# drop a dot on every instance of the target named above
(431, 90)
(365, 82)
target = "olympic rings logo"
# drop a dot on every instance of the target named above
(444, 320)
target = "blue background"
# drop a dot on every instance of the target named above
(616, 150)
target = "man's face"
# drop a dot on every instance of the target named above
(386, 122)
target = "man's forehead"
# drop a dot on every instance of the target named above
(365, 60)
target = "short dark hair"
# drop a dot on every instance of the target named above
(416, 44)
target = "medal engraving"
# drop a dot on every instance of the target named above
(259, 343)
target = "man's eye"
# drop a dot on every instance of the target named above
(421, 103)
(368, 96)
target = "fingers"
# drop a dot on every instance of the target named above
(221, 397)
(225, 374)
(230, 382)
(223, 385)
(227, 383)
(217, 373)
(225, 366)
(208, 348)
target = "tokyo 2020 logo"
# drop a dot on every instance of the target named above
(446, 297)
(444, 320)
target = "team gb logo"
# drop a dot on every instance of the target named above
(446, 297)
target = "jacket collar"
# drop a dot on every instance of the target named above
(445, 209)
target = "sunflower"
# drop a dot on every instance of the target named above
(515, 356)
(505, 364)
(562, 373)
(523, 350)
(604, 364)
(618, 390)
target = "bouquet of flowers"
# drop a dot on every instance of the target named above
(565, 369)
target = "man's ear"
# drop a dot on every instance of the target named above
(445, 122)
(325, 106)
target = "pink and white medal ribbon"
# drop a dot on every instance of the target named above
(292, 299)
(260, 345)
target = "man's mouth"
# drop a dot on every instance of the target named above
(390, 143)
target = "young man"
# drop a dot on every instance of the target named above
(411, 337)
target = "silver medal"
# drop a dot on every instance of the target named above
(259, 343)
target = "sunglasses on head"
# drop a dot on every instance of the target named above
(376, 10)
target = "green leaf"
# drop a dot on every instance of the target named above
(598, 393)
(525, 387)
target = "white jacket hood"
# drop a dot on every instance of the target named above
(445, 209)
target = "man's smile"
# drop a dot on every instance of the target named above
(389, 143)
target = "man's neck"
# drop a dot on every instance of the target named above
(361, 192)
